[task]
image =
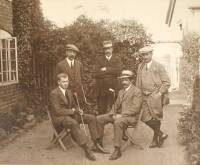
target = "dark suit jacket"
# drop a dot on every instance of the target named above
(61, 106)
(75, 76)
(129, 102)
(107, 79)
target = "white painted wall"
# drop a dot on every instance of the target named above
(169, 55)
(190, 19)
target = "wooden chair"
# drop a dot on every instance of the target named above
(130, 136)
(58, 134)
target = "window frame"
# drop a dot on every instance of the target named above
(9, 61)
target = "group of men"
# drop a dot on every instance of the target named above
(147, 95)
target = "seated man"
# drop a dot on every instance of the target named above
(124, 112)
(65, 113)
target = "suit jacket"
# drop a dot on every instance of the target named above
(107, 79)
(129, 102)
(61, 106)
(162, 84)
(75, 76)
(159, 76)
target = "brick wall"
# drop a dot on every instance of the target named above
(6, 16)
(9, 95)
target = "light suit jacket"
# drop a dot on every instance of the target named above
(129, 102)
(162, 84)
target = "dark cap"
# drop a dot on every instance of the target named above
(72, 47)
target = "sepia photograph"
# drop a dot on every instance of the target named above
(100, 82)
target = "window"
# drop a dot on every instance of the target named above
(8, 61)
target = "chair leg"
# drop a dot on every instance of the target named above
(62, 145)
(57, 138)
(131, 141)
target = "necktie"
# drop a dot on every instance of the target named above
(71, 64)
(66, 96)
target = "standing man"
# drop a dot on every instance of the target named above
(125, 112)
(74, 69)
(154, 82)
(107, 69)
(65, 113)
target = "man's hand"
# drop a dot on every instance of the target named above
(103, 69)
(117, 116)
(75, 110)
(80, 111)
(157, 94)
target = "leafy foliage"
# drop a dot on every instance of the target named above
(189, 125)
(22, 30)
(189, 63)
(88, 36)
(41, 45)
(130, 37)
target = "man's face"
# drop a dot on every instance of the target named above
(71, 54)
(126, 82)
(108, 51)
(63, 82)
(147, 57)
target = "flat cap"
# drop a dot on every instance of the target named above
(126, 73)
(146, 49)
(72, 47)
(107, 44)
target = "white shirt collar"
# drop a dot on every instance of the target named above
(108, 58)
(69, 62)
(62, 90)
(128, 87)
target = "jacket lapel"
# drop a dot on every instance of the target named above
(153, 66)
(139, 74)
(76, 70)
(69, 96)
(126, 94)
(68, 69)
(62, 96)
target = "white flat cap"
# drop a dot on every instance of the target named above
(126, 73)
(146, 49)
(107, 44)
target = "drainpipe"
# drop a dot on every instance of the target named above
(198, 40)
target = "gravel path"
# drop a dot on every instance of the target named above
(31, 148)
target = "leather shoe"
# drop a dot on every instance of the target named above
(162, 138)
(89, 154)
(116, 154)
(154, 142)
(98, 148)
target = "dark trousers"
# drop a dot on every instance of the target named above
(73, 123)
(105, 98)
(104, 102)
(119, 126)
(155, 124)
